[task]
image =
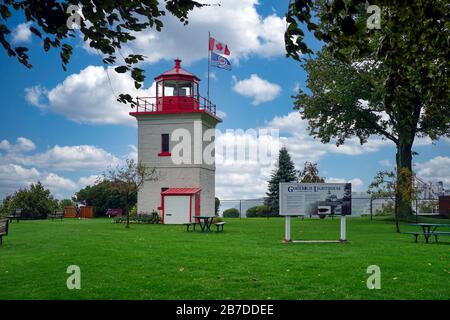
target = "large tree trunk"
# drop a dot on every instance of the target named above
(404, 179)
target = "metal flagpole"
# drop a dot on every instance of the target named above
(209, 59)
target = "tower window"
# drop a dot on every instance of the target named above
(164, 145)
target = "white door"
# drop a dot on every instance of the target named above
(176, 209)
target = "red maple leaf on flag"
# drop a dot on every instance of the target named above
(219, 46)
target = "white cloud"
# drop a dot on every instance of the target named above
(303, 147)
(385, 163)
(88, 181)
(5, 145)
(89, 96)
(55, 182)
(22, 145)
(133, 153)
(22, 33)
(235, 22)
(357, 183)
(233, 178)
(19, 168)
(13, 177)
(435, 169)
(258, 89)
(69, 158)
(241, 180)
(34, 96)
(221, 114)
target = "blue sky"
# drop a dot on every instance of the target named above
(64, 128)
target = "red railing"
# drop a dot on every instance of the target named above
(174, 104)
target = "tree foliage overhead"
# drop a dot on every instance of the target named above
(284, 172)
(105, 25)
(393, 81)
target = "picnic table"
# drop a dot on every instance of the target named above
(429, 229)
(205, 222)
(16, 214)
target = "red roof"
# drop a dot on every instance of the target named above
(177, 71)
(177, 191)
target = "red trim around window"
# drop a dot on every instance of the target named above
(164, 154)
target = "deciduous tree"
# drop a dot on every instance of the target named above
(310, 173)
(128, 179)
(391, 82)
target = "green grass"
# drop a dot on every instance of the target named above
(247, 261)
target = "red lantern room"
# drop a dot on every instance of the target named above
(177, 91)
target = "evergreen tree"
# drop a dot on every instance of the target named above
(284, 172)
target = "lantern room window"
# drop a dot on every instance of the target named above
(185, 88)
(180, 88)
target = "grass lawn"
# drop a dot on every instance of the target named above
(247, 261)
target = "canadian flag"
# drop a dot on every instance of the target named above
(218, 47)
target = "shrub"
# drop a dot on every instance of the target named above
(231, 213)
(217, 219)
(216, 206)
(133, 211)
(152, 218)
(387, 209)
(258, 211)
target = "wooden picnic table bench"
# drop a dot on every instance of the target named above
(416, 234)
(4, 226)
(205, 226)
(219, 225)
(56, 215)
(189, 224)
(428, 230)
(16, 214)
(440, 233)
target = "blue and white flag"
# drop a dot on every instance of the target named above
(220, 61)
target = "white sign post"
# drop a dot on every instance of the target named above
(343, 230)
(322, 199)
(287, 233)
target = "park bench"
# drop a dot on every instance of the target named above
(416, 234)
(189, 224)
(117, 212)
(4, 224)
(15, 215)
(439, 233)
(219, 226)
(56, 215)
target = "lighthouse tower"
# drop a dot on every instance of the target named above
(171, 139)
